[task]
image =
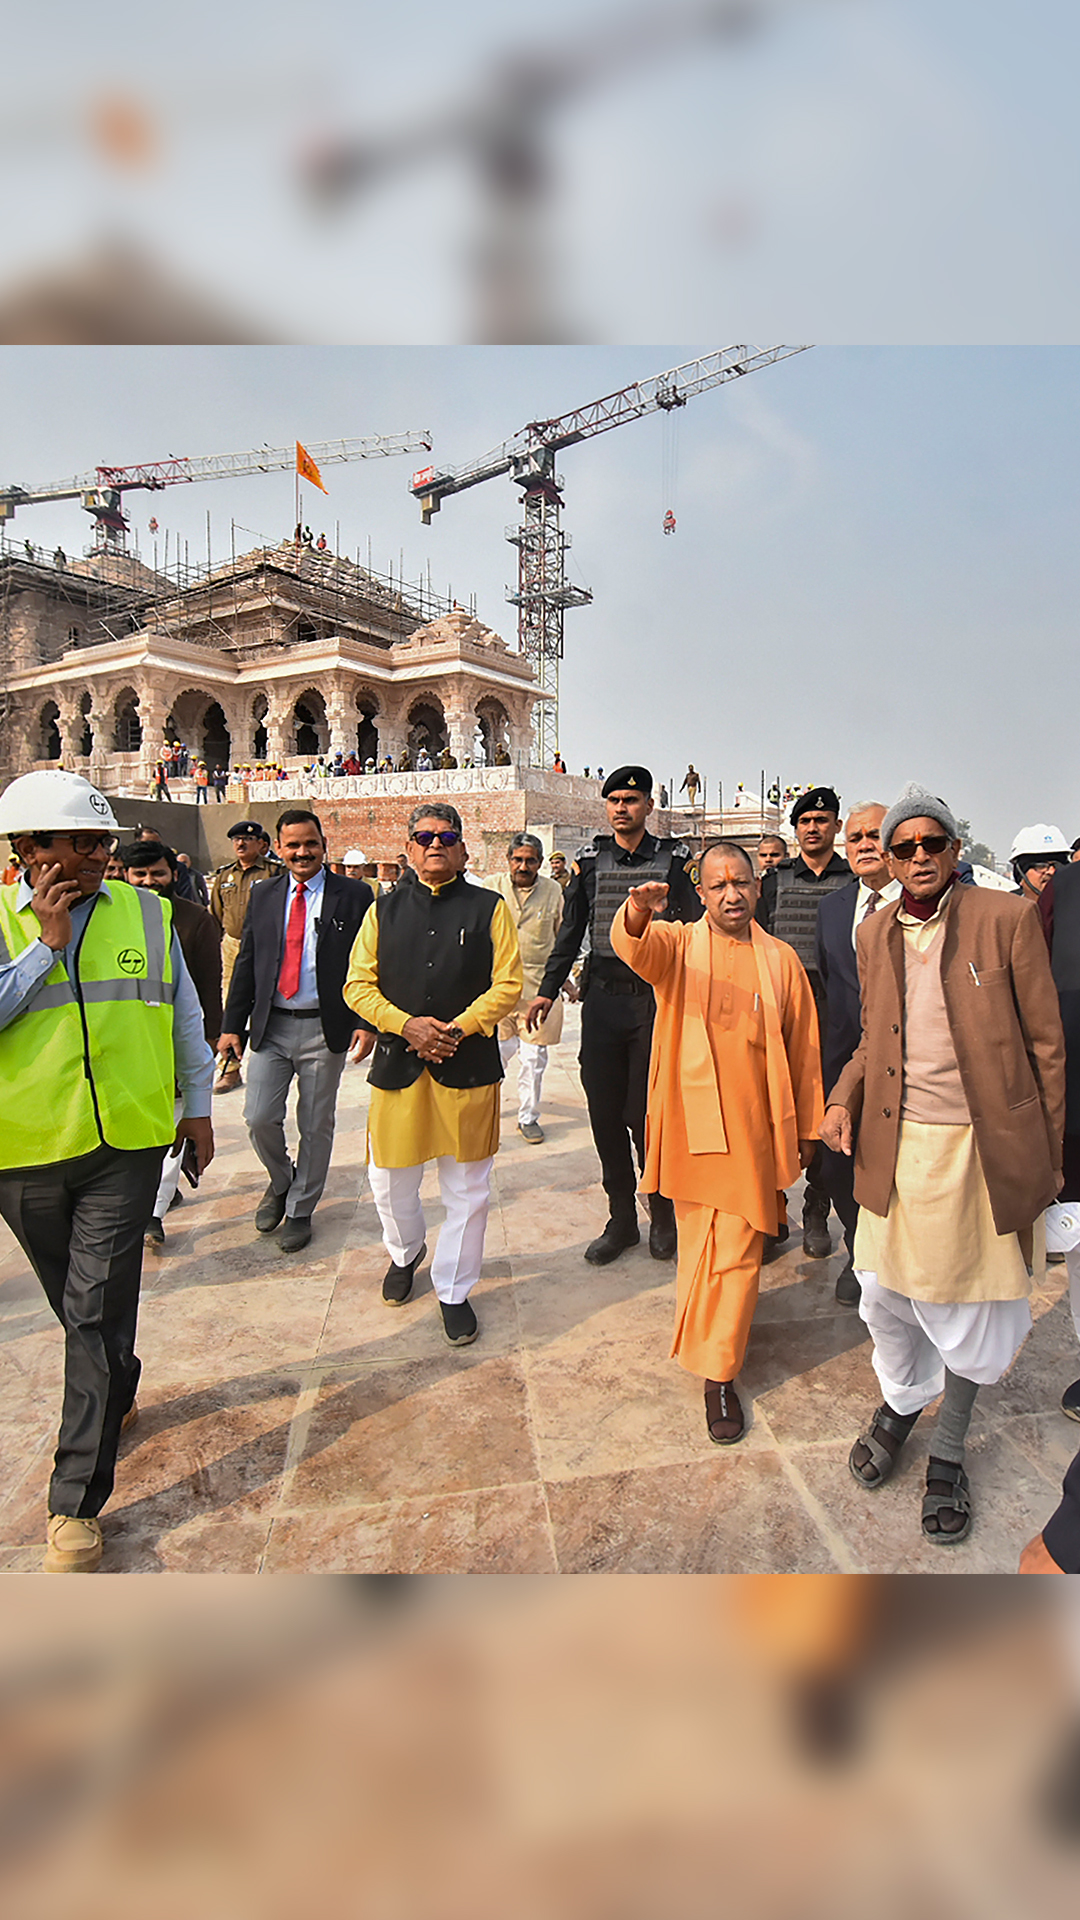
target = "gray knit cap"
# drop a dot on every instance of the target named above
(916, 804)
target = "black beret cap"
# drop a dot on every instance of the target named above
(818, 800)
(248, 826)
(625, 778)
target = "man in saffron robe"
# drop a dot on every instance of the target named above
(734, 1104)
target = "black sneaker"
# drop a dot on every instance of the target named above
(1070, 1401)
(155, 1234)
(459, 1323)
(397, 1281)
(817, 1244)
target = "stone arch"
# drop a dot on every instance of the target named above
(186, 719)
(127, 726)
(216, 748)
(493, 724)
(311, 731)
(426, 726)
(49, 743)
(367, 728)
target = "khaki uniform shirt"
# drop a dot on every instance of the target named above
(231, 891)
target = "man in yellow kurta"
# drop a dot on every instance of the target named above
(734, 1104)
(434, 968)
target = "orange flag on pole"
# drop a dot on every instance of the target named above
(305, 466)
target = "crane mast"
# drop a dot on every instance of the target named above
(543, 591)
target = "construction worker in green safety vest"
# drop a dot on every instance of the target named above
(99, 1023)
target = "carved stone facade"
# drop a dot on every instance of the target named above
(281, 656)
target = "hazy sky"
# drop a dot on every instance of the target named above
(887, 170)
(874, 576)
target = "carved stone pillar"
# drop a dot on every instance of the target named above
(393, 731)
(153, 712)
(278, 724)
(339, 716)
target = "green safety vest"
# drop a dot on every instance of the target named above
(90, 1058)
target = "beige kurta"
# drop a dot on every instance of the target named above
(537, 915)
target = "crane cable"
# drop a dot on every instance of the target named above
(669, 466)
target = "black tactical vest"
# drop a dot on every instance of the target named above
(613, 883)
(435, 958)
(795, 912)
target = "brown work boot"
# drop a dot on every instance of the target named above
(228, 1081)
(72, 1546)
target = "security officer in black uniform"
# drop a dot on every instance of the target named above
(617, 1008)
(791, 894)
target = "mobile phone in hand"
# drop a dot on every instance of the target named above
(189, 1163)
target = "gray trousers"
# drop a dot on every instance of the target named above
(80, 1224)
(293, 1049)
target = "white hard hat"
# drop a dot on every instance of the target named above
(1039, 839)
(54, 803)
(356, 857)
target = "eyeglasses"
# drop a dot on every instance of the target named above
(87, 842)
(905, 849)
(446, 839)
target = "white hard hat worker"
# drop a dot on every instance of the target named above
(55, 803)
(1035, 853)
(100, 1025)
(354, 863)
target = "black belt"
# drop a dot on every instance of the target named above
(299, 1013)
(620, 986)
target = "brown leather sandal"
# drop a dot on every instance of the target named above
(723, 1413)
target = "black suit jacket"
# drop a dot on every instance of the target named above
(839, 972)
(258, 962)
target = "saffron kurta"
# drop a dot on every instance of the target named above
(734, 1085)
(427, 1120)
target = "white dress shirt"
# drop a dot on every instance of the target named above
(889, 892)
(307, 993)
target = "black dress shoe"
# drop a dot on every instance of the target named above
(459, 1323)
(663, 1235)
(817, 1244)
(616, 1237)
(1070, 1401)
(397, 1281)
(848, 1290)
(270, 1211)
(295, 1234)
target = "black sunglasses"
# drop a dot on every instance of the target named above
(905, 849)
(448, 838)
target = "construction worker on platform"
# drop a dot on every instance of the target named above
(99, 1020)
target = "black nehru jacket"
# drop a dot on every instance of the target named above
(1061, 1534)
(435, 958)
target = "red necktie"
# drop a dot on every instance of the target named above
(289, 979)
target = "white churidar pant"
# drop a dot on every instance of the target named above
(915, 1340)
(465, 1187)
(531, 1066)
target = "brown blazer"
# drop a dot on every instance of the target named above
(1003, 1016)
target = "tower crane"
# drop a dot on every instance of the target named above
(102, 491)
(544, 592)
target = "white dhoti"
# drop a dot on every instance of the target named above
(915, 1340)
(465, 1187)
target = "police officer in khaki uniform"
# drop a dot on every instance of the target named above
(229, 896)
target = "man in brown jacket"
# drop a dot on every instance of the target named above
(958, 1090)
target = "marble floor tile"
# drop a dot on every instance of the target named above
(445, 1424)
(731, 1514)
(486, 1530)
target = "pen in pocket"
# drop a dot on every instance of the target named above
(974, 975)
